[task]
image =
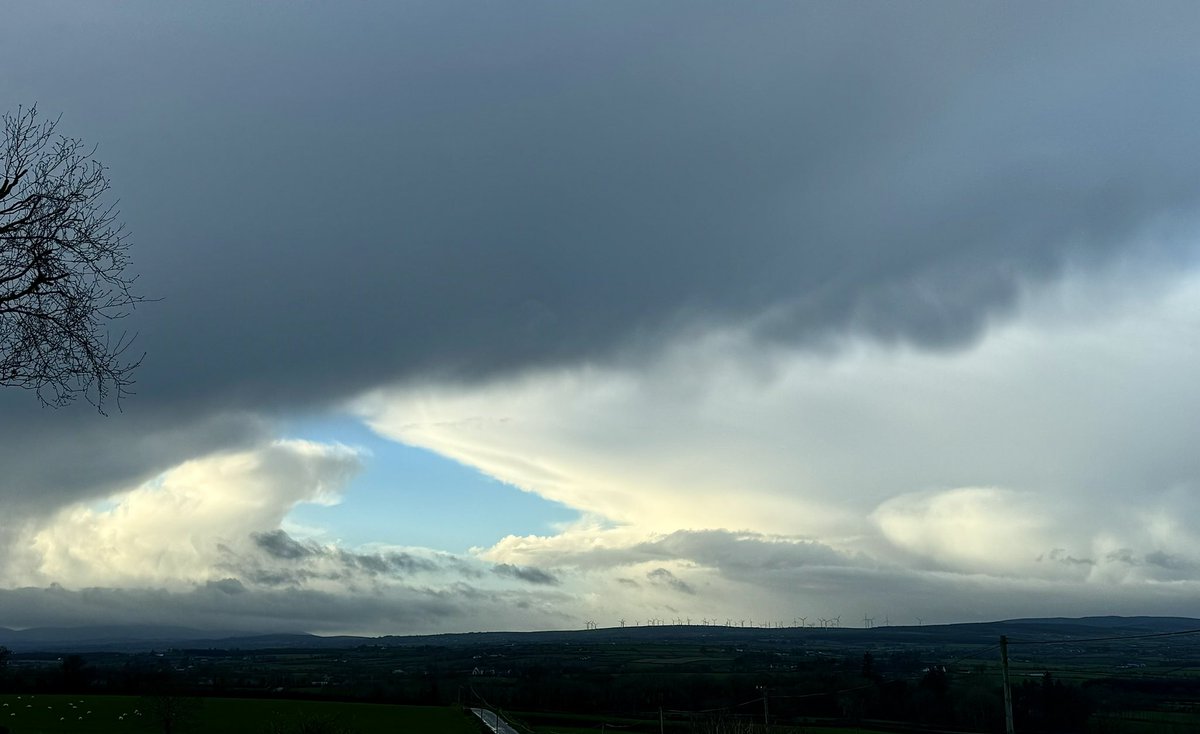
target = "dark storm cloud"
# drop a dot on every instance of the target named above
(525, 573)
(54, 456)
(213, 606)
(1157, 565)
(279, 544)
(1060, 555)
(228, 586)
(330, 198)
(663, 577)
(1169, 561)
(289, 562)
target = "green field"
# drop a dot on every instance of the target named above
(560, 723)
(779, 729)
(1146, 722)
(55, 714)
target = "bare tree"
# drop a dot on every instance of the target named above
(173, 713)
(63, 269)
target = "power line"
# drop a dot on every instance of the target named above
(1105, 639)
(827, 693)
(730, 707)
(972, 654)
(1096, 673)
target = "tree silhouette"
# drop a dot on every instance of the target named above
(63, 263)
(173, 712)
(74, 674)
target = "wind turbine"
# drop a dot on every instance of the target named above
(622, 622)
(824, 622)
(837, 621)
(803, 620)
(920, 621)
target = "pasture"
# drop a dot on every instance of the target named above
(64, 714)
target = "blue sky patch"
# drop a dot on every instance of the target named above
(410, 496)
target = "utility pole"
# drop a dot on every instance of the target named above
(766, 712)
(1008, 717)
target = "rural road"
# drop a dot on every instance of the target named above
(494, 722)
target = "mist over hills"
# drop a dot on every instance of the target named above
(135, 638)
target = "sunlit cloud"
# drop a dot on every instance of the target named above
(1009, 459)
(170, 531)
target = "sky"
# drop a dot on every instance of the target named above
(514, 316)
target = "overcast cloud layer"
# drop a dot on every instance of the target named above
(861, 299)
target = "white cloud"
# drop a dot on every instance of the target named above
(171, 529)
(1035, 455)
(204, 544)
(970, 529)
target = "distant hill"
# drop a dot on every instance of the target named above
(132, 638)
(106, 637)
(1159, 624)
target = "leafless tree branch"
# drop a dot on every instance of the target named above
(64, 258)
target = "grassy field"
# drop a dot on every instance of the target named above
(1146, 722)
(559, 723)
(781, 730)
(44, 714)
